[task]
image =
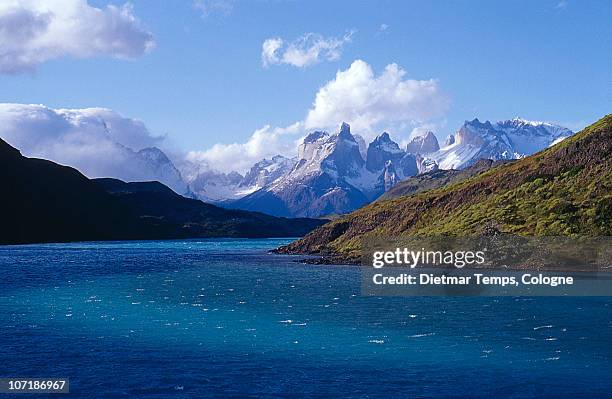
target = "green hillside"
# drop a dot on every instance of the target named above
(565, 190)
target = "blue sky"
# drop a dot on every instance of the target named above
(204, 82)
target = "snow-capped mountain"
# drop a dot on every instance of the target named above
(424, 144)
(161, 168)
(504, 140)
(381, 150)
(331, 176)
(334, 173)
(266, 172)
(213, 186)
(318, 184)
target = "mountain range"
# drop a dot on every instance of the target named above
(47, 202)
(337, 173)
(330, 173)
(564, 190)
(333, 174)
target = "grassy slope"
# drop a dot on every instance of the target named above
(563, 190)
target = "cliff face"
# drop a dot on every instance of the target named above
(565, 190)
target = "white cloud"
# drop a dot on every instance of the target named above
(369, 103)
(383, 28)
(364, 100)
(34, 31)
(214, 7)
(264, 142)
(305, 51)
(97, 141)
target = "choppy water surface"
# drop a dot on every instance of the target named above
(224, 318)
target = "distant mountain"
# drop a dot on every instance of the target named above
(322, 181)
(47, 202)
(157, 166)
(219, 187)
(213, 186)
(504, 140)
(97, 141)
(266, 172)
(425, 144)
(563, 190)
(337, 173)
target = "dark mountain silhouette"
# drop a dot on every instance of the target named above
(46, 202)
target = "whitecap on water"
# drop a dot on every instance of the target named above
(422, 335)
(541, 327)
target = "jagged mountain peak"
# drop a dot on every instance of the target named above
(384, 136)
(423, 144)
(334, 172)
(449, 140)
(315, 136)
(381, 150)
(345, 130)
(154, 154)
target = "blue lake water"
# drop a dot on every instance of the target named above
(223, 318)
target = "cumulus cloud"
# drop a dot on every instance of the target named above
(98, 142)
(358, 96)
(34, 31)
(305, 51)
(263, 143)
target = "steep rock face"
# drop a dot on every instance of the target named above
(381, 150)
(408, 166)
(425, 165)
(363, 148)
(318, 184)
(563, 190)
(389, 176)
(449, 140)
(425, 144)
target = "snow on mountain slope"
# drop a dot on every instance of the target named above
(504, 140)
(163, 170)
(266, 172)
(528, 137)
(424, 144)
(320, 181)
(331, 175)
(213, 186)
